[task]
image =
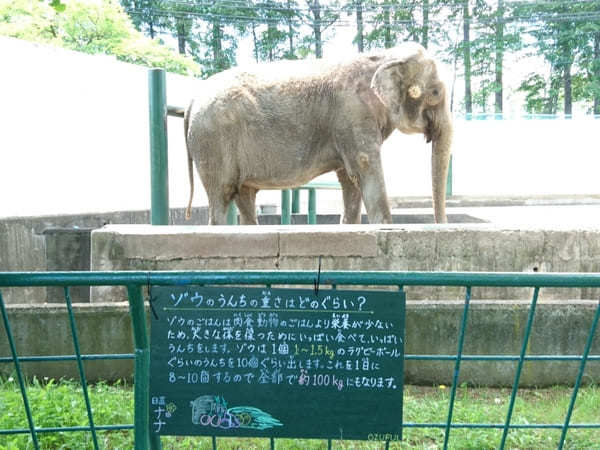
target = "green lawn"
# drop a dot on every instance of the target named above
(61, 404)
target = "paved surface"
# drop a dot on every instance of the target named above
(573, 216)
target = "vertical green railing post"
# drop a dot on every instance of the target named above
(461, 342)
(449, 179)
(515, 387)
(295, 201)
(286, 214)
(584, 358)
(312, 206)
(13, 351)
(232, 214)
(82, 377)
(159, 168)
(141, 386)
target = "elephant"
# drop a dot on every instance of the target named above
(279, 125)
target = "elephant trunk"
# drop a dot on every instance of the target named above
(440, 158)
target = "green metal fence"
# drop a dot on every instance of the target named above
(136, 281)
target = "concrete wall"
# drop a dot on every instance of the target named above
(363, 247)
(496, 321)
(31, 244)
(431, 328)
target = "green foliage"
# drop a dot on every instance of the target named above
(60, 403)
(89, 27)
(536, 95)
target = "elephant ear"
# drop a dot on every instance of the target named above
(393, 89)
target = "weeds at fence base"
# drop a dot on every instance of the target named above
(60, 403)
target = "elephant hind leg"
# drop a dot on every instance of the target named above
(246, 203)
(218, 204)
(352, 197)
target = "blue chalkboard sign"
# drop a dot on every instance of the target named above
(235, 361)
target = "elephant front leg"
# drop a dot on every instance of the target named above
(246, 203)
(352, 197)
(372, 187)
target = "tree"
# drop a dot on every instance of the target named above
(319, 18)
(564, 36)
(270, 42)
(393, 21)
(466, 49)
(144, 15)
(98, 27)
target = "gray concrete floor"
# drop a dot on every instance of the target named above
(572, 216)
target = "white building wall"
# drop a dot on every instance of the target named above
(74, 139)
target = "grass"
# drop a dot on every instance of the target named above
(61, 403)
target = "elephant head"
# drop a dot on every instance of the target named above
(416, 102)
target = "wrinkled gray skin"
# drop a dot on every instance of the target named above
(280, 125)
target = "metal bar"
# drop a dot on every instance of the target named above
(214, 443)
(528, 426)
(403, 362)
(286, 215)
(232, 214)
(328, 444)
(68, 429)
(82, 377)
(142, 368)
(586, 351)
(176, 111)
(312, 206)
(461, 340)
(159, 162)
(540, 426)
(449, 179)
(13, 351)
(382, 278)
(295, 201)
(515, 387)
(495, 358)
(6, 359)
(272, 443)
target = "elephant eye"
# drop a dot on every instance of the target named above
(435, 92)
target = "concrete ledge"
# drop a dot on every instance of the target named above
(494, 328)
(476, 247)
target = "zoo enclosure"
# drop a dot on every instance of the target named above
(135, 281)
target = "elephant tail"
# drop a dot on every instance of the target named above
(186, 123)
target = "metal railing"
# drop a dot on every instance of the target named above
(135, 281)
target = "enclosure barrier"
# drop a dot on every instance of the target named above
(136, 281)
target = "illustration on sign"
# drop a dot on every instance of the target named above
(212, 411)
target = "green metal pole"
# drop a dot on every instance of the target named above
(449, 179)
(80, 367)
(232, 214)
(584, 359)
(159, 166)
(20, 377)
(312, 206)
(295, 201)
(141, 384)
(515, 387)
(455, 378)
(286, 215)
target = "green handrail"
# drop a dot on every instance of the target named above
(380, 278)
